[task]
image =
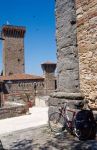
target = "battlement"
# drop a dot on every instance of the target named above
(13, 31)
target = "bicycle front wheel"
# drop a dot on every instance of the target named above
(56, 122)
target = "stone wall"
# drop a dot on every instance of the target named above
(87, 43)
(13, 111)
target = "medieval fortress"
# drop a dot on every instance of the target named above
(76, 38)
(21, 84)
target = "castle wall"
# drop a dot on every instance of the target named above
(20, 89)
(87, 43)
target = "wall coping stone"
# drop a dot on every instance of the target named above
(73, 96)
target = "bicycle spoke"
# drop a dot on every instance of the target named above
(56, 122)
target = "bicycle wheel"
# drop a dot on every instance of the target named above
(56, 122)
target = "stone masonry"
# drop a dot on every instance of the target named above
(67, 51)
(67, 55)
(13, 49)
(76, 34)
(86, 11)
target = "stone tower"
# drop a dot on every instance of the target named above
(13, 49)
(49, 74)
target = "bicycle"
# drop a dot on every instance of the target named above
(60, 121)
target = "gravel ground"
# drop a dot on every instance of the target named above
(41, 138)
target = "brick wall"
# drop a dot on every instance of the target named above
(87, 44)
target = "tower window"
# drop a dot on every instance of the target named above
(19, 60)
(10, 73)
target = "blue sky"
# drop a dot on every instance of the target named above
(38, 18)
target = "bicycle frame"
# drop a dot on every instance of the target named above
(64, 112)
(65, 118)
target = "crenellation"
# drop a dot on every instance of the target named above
(13, 31)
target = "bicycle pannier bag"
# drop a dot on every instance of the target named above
(85, 125)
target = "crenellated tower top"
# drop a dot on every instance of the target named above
(13, 31)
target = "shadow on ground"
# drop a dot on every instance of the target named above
(58, 142)
(43, 139)
(89, 145)
(67, 142)
(22, 145)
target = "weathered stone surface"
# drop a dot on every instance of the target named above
(93, 101)
(68, 86)
(87, 44)
(67, 95)
(77, 38)
(67, 52)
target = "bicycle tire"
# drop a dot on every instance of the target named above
(56, 122)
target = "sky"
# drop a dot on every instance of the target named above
(38, 17)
